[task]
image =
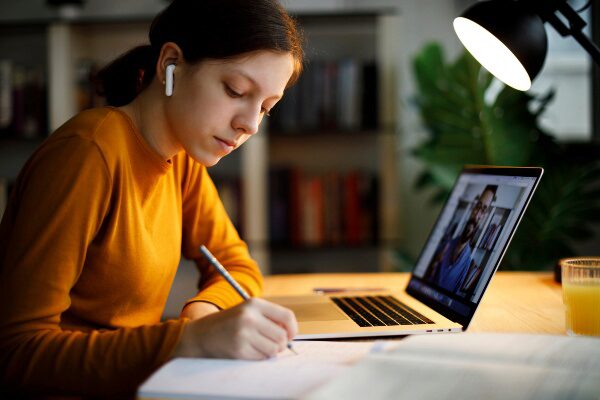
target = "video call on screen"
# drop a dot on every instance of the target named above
(470, 235)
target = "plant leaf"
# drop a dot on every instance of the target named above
(465, 129)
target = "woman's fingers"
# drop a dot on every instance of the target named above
(274, 332)
(280, 315)
(266, 335)
(265, 346)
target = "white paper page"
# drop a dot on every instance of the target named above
(286, 376)
(475, 366)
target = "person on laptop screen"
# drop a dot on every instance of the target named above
(453, 258)
(103, 210)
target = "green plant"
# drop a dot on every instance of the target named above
(466, 127)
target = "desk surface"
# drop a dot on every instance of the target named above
(522, 302)
(527, 302)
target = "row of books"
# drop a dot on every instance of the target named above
(306, 210)
(491, 233)
(337, 95)
(329, 209)
(23, 104)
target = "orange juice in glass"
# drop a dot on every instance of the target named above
(581, 295)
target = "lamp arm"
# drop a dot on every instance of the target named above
(588, 45)
(575, 28)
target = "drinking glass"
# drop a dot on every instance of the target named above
(581, 295)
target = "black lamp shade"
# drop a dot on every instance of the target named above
(520, 29)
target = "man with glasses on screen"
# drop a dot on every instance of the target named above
(453, 257)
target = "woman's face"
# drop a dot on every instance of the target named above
(217, 105)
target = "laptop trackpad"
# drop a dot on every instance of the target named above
(317, 312)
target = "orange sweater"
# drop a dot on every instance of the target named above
(89, 246)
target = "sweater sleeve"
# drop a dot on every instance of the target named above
(205, 221)
(55, 210)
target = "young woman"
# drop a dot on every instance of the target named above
(100, 214)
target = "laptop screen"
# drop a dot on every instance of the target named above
(470, 237)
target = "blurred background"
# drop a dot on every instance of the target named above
(350, 171)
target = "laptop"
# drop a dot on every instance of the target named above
(452, 273)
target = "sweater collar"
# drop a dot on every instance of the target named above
(152, 157)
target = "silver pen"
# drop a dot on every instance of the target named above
(225, 274)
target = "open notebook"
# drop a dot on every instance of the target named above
(465, 366)
(475, 366)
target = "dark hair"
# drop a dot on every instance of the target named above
(203, 29)
(490, 188)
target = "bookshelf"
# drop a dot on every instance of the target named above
(332, 151)
(23, 108)
(359, 149)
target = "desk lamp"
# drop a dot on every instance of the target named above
(508, 38)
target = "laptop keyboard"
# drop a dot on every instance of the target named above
(379, 311)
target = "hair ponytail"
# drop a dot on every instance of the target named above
(125, 77)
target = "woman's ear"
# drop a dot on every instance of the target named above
(170, 54)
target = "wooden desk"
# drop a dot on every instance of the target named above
(527, 302)
(515, 301)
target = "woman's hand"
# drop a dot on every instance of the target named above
(198, 309)
(253, 330)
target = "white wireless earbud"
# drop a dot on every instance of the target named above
(169, 80)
